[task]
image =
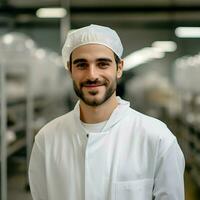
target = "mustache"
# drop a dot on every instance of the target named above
(92, 82)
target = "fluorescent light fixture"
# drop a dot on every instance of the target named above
(188, 32)
(8, 39)
(142, 56)
(40, 53)
(51, 13)
(165, 46)
(29, 43)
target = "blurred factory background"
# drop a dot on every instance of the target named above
(161, 41)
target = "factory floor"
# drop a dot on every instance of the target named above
(17, 181)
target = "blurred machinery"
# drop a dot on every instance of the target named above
(32, 92)
(187, 82)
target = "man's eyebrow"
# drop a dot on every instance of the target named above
(104, 59)
(78, 60)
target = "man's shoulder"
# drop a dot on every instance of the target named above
(145, 119)
(57, 125)
(63, 119)
(156, 132)
(151, 126)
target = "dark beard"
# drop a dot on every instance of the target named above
(109, 92)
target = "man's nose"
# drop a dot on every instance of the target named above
(92, 72)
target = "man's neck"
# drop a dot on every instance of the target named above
(96, 114)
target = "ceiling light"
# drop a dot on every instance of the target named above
(142, 56)
(165, 46)
(188, 32)
(40, 53)
(51, 13)
(8, 39)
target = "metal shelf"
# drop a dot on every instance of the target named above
(3, 146)
(16, 102)
(18, 127)
(15, 146)
(26, 104)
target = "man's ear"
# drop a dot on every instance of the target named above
(120, 69)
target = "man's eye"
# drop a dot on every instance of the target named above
(81, 65)
(103, 64)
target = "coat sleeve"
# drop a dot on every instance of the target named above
(37, 174)
(169, 178)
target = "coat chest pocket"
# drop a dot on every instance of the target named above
(134, 190)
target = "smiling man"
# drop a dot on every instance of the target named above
(103, 149)
(97, 71)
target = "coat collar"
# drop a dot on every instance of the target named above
(118, 114)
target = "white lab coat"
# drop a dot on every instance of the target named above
(135, 157)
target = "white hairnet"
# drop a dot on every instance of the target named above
(93, 34)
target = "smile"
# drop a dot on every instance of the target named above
(92, 86)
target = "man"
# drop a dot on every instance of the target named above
(103, 149)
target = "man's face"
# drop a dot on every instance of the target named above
(94, 73)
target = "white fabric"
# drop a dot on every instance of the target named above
(134, 158)
(93, 34)
(94, 128)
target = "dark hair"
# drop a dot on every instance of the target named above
(70, 62)
(117, 60)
